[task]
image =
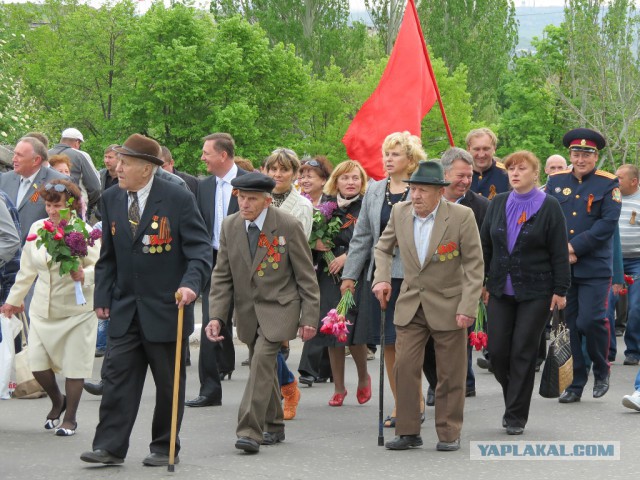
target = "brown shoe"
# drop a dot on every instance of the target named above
(291, 395)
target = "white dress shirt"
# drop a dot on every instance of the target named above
(422, 228)
(143, 194)
(221, 202)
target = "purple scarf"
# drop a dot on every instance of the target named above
(519, 209)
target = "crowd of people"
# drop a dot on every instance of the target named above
(272, 251)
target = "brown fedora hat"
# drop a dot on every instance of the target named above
(139, 146)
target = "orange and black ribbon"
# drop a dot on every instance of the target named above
(351, 220)
(523, 218)
(590, 202)
(492, 192)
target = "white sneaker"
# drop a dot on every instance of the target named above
(632, 401)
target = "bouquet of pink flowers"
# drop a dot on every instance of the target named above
(478, 338)
(336, 323)
(325, 228)
(66, 243)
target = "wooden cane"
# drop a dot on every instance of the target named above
(176, 388)
(383, 312)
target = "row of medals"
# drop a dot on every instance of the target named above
(448, 256)
(153, 248)
(270, 260)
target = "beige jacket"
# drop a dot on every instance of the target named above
(442, 288)
(54, 296)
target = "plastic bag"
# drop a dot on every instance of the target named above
(11, 328)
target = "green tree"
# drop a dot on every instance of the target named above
(482, 36)
(386, 16)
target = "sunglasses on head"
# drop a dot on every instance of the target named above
(313, 163)
(58, 187)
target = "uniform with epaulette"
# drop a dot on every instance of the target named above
(492, 181)
(590, 200)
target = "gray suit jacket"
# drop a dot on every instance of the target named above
(29, 209)
(366, 235)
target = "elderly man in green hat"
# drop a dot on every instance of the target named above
(443, 272)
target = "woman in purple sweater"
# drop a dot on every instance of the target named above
(524, 241)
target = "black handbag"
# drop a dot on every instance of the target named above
(557, 374)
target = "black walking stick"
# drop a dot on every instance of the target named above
(383, 312)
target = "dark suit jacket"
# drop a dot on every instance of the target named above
(206, 199)
(129, 280)
(190, 180)
(476, 203)
(28, 210)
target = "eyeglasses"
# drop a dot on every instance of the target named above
(58, 187)
(313, 163)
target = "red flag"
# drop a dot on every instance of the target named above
(405, 94)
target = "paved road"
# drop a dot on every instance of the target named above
(324, 442)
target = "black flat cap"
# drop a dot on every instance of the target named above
(584, 139)
(254, 182)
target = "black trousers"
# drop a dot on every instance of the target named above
(315, 359)
(123, 373)
(214, 357)
(514, 338)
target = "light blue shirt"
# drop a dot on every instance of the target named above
(422, 228)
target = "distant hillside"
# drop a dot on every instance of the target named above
(532, 21)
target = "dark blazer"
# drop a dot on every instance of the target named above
(190, 180)
(539, 261)
(29, 210)
(128, 280)
(206, 199)
(478, 204)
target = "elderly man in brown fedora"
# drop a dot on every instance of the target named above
(443, 270)
(154, 244)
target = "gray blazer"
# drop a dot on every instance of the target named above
(366, 235)
(29, 211)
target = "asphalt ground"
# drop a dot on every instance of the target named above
(324, 442)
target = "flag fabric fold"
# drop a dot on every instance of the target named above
(403, 97)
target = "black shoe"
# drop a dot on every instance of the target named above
(225, 374)
(431, 397)
(159, 460)
(323, 380)
(93, 388)
(619, 332)
(246, 363)
(569, 397)
(404, 442)
(307, 380)
(247, 444)
(485, 364)
(628, 360)
(100, 352)
(470, 392)
(448, 446)
(101, 456)
(271, 438)
(504, 422)
(285, 352)
(515, 430)
(201, 401)
(601, 387)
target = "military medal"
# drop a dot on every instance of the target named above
(274, 265)
(152, 249)
(167, 248)
(154, 224)
(145, 249)
(456, 253)
(450, 256)
(260, 273)
(442, 258)
(557, 190)
(159, 249)
(566, 191)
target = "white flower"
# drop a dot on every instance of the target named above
(4, 134)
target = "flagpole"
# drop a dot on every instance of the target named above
(433, 76)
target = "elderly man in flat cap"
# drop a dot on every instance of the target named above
(264, 264)
(154, 245)
(443, 272)
(591, 202)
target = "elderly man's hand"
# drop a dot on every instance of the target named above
(212, 330)
(464, 321)
(382, 291)
(186, 296)
(102, 313)
(306, 332)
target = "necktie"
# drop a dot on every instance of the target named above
(22, 190)
(134, 212)
(253, 233)
(219, 212)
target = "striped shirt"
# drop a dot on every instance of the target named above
(630, 225)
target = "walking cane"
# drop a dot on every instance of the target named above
(176, 388)
(383, 312)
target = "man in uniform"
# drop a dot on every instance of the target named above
(489, 174)
(154, 244)
(271, 278)
(590, 200)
